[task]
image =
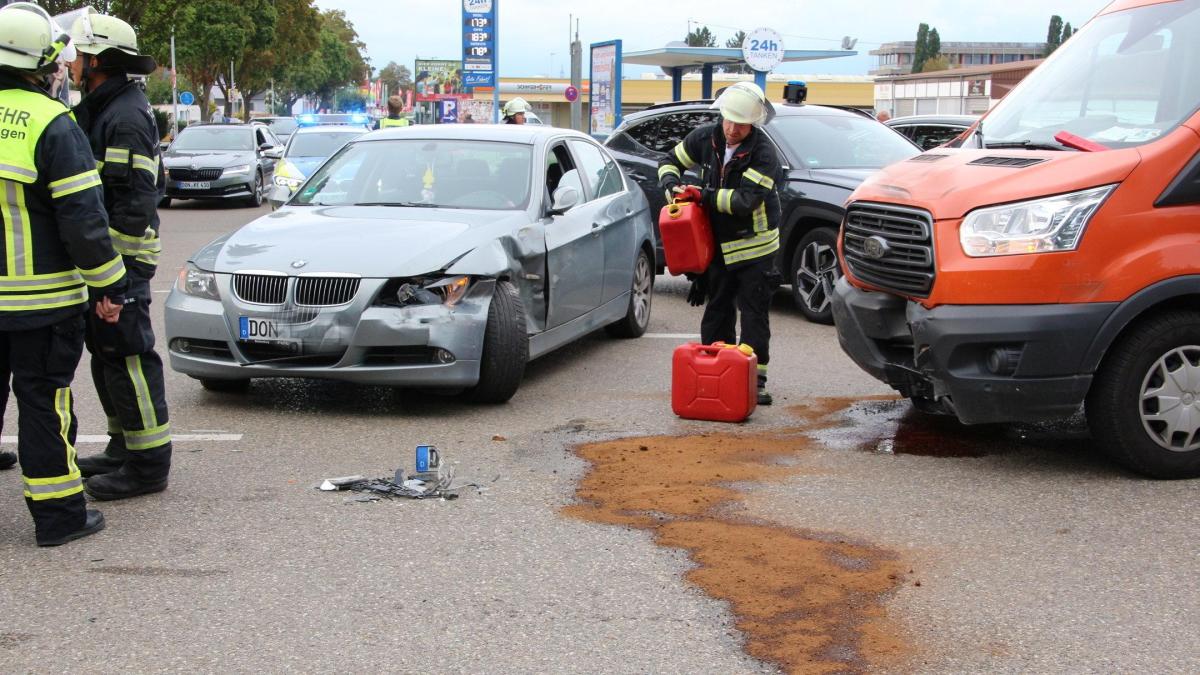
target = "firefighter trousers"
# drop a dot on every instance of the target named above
(128, 375)
(40, 364)
(745, 289)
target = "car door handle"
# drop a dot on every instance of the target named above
(637, 175)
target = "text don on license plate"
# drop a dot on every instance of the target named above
(195, 185)
(259, 330)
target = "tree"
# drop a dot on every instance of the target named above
(209, 35)
(701, 37)
(1067, 32)
(1054, 34)
(939, 62)
(933, 45)
(921, 53)
(396, 77)
(297, 30)
(258, 20)
(735, 42)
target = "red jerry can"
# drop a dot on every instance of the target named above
(716, 382)
(686, 236)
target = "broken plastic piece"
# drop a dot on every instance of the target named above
(342, 483)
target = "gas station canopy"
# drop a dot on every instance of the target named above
(675, 59)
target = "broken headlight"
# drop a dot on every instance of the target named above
(442, 290)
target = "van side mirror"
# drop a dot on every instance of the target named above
(566, 197)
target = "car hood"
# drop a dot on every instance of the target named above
(950, 186)
(845, 178)
(207, 159)
(371, 241)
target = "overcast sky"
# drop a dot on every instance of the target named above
(534, 33)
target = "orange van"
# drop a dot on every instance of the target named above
(1050, 261)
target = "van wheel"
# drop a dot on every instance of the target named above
(637, 317)
(814, 270)
(1144, 405)
(505, 348)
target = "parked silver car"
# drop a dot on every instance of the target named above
(434, 256)
(220, 161)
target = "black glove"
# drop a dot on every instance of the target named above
(698, 293)
(708, 196)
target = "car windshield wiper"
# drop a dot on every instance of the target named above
(1024, 145)
(419, 205)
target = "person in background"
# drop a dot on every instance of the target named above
(395, 105)
(514, 111)
(738, 167)
(883, 116)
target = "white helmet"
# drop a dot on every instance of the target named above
(516, 107)
(30, 40)
(95, 34)
(744, 103)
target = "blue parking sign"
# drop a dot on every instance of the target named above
(448, 111)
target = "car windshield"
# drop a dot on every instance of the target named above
(1125, 79)
(319, 143)
(463, 174)
(841, 142)
(283, 125)
(215, 138)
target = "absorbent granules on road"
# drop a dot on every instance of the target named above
(810, 602)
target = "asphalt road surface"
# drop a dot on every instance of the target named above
(1032, 553)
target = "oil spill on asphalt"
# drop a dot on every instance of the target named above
(809, 602)
(893, 426)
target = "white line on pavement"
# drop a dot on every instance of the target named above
(673, 336)
(174, 437)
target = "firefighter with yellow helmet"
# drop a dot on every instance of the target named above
(127, 371)
(57, 261)
(514, 111)
(738, 167)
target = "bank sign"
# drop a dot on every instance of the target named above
(479, 43)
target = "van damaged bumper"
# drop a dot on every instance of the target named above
(982, 363)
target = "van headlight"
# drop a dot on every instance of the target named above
(196, 282)
(1035, 226)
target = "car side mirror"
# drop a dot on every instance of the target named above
(278, 196)
(566, 197)
(273, 151)
(265, 146)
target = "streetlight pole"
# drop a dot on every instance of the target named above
(174, 87)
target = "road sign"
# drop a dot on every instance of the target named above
(186, 98)
(571, 93)
(763, 49)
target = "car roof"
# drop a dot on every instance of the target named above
(965, 120)
(781, 110)
(510, 133)
(326, 128)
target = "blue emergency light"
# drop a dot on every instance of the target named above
(306, 119)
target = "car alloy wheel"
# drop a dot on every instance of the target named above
(643, 282)
(1170, 400)
(815, 269)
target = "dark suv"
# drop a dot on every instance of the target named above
(826, 152)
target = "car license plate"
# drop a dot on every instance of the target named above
(194, 185)
(252, 329)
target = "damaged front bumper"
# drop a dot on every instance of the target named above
(432, 345)
(982, 363)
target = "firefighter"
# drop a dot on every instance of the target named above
(395, 105)
(514, 111)
(738, 167)
(126, 370)
(57, 260)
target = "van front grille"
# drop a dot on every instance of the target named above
(890, 247)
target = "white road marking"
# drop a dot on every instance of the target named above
(673, 336)
(166, 291)
(174, 437)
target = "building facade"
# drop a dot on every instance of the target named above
(896, 58)
(960, 91)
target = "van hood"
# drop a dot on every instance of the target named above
(944, 181)
(371, 241)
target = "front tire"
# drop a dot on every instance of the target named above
(637, 317)
(255, 199)
(814, 270)
(1144, 405)
(505, 348)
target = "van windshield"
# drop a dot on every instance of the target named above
(1123, 80)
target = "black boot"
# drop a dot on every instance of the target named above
(8, 459)
(91, 525)
(764, 398)
(122, 484)
(111, 459)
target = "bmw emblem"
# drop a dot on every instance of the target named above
(297, 264)
(875, 247)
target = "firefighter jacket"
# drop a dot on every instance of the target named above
(124, 137)
(739, 196)
(56, 248)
